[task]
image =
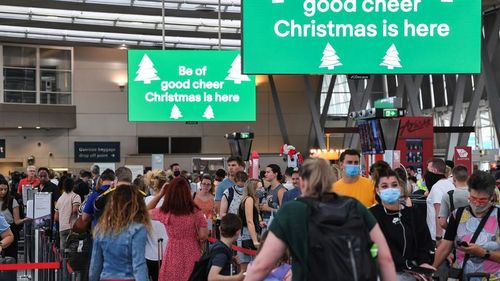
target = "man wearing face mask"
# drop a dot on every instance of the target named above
(352, 184)
(438, 186)
(176, 169)
(473, 231)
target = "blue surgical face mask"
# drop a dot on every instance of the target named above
(352, 170)
(390, 195)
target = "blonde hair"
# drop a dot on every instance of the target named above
(157, 178)
(318, 175)
(337, 171)
(125, 207)
(250, 191)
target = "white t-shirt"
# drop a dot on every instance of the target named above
(158, 231)
(435, 196)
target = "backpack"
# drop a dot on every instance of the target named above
(339, 242)
(202, 266)
(452, 204)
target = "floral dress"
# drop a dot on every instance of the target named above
(183, 249)
(489, 238)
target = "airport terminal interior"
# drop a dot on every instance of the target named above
(156, 140)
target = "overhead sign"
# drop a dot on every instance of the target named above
(189, 86)
(361, 36)
(463, 156)
(2, 148)
(104, 152)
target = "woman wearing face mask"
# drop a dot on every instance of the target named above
(474, 232)
(410, 244)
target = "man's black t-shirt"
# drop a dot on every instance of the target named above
(223, 258)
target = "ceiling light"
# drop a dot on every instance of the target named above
(19, 127)
(123, 47)
(37, 127)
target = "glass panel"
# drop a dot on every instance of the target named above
(19, 56)
(20, 97)
(19, 79)
(55, 98)
(55, 81)
(55, 59)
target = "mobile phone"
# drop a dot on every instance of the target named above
(463, 244)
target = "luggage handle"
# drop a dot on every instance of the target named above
(160, 251)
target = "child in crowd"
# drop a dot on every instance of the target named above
(222, 255)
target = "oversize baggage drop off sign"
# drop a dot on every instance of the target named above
(361, 36)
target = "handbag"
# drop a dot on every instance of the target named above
(248, 244)
(457, 273)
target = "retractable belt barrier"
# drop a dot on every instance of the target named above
(236, 248)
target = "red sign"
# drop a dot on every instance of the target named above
(463, 156)
(416, 127)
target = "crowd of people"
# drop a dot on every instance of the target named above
(316, 222)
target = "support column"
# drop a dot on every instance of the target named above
(314, 112)
(457, 113)
(491, 87)
(279, 113)
(412, 87)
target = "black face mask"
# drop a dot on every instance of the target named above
(177, 173)
(431, 179)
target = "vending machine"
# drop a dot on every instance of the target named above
(416, 141)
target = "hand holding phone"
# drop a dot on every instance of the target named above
(463, 244)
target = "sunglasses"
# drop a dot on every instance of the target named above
(480, 201)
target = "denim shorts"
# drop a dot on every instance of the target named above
(245, 235)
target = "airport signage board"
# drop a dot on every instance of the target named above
(2, 148)
(103, 152)
(190, 85)
(361, 36)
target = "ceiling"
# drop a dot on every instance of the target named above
(189, 24)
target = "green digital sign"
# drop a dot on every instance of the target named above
(361, 36)
(185, 86)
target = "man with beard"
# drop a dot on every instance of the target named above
(438, 186)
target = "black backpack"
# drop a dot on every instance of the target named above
(339, 242)
(202, 266)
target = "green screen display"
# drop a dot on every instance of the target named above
(361, 36)
(189, 86)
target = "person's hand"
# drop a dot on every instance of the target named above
(265, 208)
(240, 276)
(288, 275)
(236, 260)
(256, 244)
(263, 224)
(473, 249)
(426, 265)
(450, 258)
(163, 190)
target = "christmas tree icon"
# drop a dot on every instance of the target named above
(146, 71)
(235, 72)
(391, 58)
(175, 113)
(330, 58)
(209, 113)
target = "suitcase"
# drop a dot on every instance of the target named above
(8, 275)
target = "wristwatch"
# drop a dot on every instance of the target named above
(487, 255)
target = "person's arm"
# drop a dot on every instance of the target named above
(82, 223)
(96, 262)
(7, 238)
(272, 251)
(56, 215)
(280, 196)
(77, 201)
(384, 258)
(439, 229)
(478, 251)
(17, 217)
(138, 248)
(443, 250)
(249, 205)
(444, 211)
(154, 201)
(213, 275)
(223, 207)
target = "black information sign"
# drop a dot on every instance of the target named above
(358, 76)
(97, 152)
(2, 148)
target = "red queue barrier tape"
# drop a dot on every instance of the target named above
(26, 266)
(236, 248)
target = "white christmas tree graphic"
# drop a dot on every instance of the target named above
(209, 113)
(175, 113)
(330, 58)
(391, 58)
(235, 72)
(146, 71)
